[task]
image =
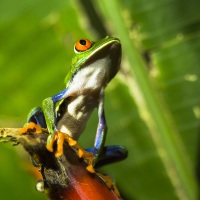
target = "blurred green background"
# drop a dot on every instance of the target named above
(152, 106)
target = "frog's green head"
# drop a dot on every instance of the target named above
(103, 56)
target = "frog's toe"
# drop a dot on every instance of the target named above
(109, 182)
(70, 140)
(30, 126)
(84, 154)
(90, 168)
(60, 141)
(50, 141)
(60, 138)
(89, 157)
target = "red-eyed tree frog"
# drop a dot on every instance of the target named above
(66, 113)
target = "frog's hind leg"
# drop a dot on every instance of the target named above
(35, 121)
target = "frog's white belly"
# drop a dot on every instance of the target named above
(84, 91)
(76, 116)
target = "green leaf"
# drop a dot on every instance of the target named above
(35, 53)
(160, 22)
(178, 74)
(174, 158)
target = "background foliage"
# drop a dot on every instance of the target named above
(152, 106)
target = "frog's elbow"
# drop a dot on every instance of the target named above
(47, 103)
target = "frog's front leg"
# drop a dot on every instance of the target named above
(49, 108)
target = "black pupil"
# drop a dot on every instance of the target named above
(82, 42)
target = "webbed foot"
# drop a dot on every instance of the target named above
(109, 182)
(30, 126)
(89, 157)
(59, 137)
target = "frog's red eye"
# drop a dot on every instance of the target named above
(83, 45)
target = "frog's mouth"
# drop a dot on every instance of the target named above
(108, 58)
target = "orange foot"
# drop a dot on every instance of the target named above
(109, 182)
(60, 138)
(88, 156)
(30, 126)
